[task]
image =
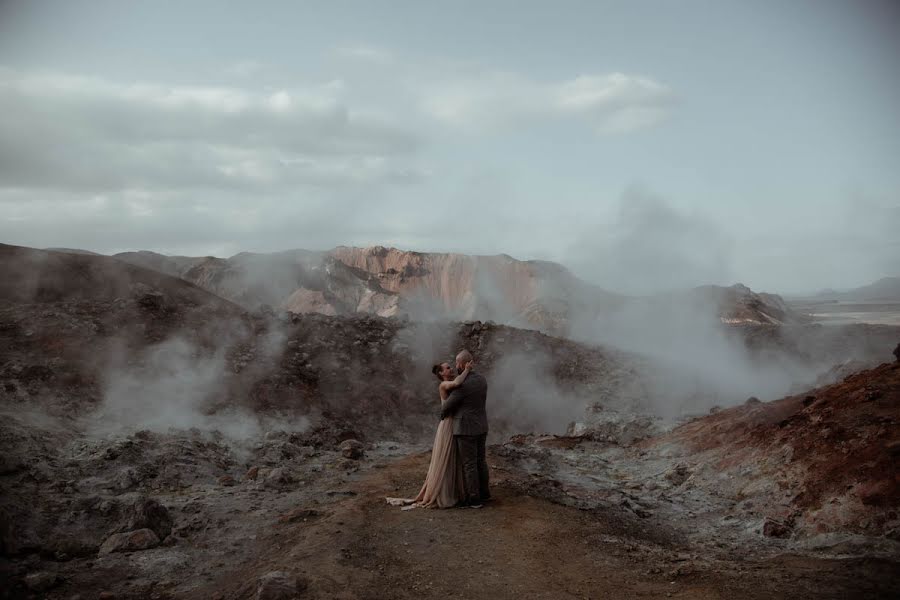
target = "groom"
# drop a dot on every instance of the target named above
(466, 405)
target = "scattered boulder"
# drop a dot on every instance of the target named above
(125, 480)
(277, 478)
(252, 474)
(142, 539)
(776, 529)
(279, 451)
(147, 513)
(897, 352)
(41, 581)
(227, 480)
(352, 449)
(279, 585)
(677, 475)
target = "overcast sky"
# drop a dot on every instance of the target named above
(646, 145)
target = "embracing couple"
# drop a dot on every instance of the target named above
(458, 473)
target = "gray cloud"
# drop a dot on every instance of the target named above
(610, 103)
(74, 132)
(474, 96)
(368, 53)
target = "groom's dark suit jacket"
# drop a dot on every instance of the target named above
(466, 404)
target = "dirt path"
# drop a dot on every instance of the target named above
(519, 546)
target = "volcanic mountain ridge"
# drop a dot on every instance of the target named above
(390, 282)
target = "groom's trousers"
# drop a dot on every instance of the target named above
(471, 450)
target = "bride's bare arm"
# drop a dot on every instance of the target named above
(446, 386)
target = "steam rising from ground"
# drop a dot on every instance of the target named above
(523, 396)
(695, 362)
(174, 385)
(652, 246)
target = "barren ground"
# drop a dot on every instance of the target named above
(522, 546)
(158, 442)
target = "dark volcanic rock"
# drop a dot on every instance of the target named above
(778, 529)
(278, 478)
(279, 585)
(41, 581)
(147, 513)
(352, 449)
(142, 539)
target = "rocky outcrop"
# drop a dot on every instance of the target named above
(739, 305)
(132, 541)
(279, 585)
(537, 294)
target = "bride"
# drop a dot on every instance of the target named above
(443, 486)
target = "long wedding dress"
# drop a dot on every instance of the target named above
(443, 486)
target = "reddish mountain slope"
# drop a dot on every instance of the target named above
(821, 461)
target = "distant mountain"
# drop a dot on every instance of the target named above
(391, 282)
(32, 275)
(300, 281)
(72, 251)
(886, 289)
(175, 266)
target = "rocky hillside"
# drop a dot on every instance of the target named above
(825, 460)
(814, 471)
(84, 334)
(390, 282)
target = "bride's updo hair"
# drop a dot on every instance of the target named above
(436, 369)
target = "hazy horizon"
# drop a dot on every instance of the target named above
(646, 146)
(800, 294)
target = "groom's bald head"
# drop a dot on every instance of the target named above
(462, 358)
